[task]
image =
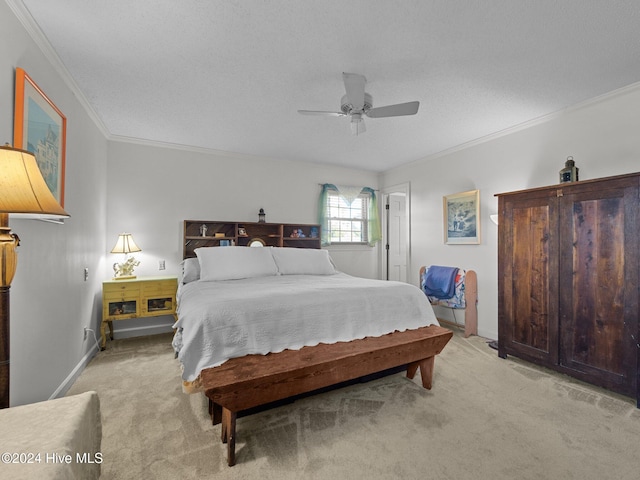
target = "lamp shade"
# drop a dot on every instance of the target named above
(22, 188)
(125, 244)
(23, 191)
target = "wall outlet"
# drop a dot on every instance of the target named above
(161, 265)
(85, 332)
(86, 276)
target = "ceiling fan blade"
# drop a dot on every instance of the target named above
(316, 112)
(409, 108)
(354, 85)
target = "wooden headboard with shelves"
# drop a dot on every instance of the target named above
(208, 233)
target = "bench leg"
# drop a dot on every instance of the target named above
(229, 435)
(215, 411)
(426, 371)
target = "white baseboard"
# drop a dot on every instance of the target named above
(75, 373)
(120, 333)
(141, 331)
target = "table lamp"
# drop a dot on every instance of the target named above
(126, 245)
(22, 190)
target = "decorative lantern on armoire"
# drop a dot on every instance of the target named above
(570, 172)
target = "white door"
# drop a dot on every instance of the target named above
(397, 241)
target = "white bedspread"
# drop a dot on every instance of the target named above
(220, 320)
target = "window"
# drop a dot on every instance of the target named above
(348, 216)
(348, 223)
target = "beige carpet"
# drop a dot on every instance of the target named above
(485, 418)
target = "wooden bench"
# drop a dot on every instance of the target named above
(254, 380)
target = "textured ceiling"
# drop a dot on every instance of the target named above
(231, 75)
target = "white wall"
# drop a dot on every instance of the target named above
(601, 135)
(153, 189)
(50, 301)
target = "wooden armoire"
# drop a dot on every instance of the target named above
(568, 268)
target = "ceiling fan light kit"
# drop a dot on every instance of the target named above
(357, 124)
(357, 103)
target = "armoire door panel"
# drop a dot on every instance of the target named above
(527, 318)
(592, 300)
(531, 276)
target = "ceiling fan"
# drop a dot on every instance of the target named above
(358, 103)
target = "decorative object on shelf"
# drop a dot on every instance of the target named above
(257, 242)
(242, 232)
(261, 216)
(126, 245)
(203, 230)
(40, 125)
(225, 243)
(570, 172)
(24, 191)
(219, 235)
(314, 232)
(462, 218)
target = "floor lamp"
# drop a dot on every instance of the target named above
(22, 190)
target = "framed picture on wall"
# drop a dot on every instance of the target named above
(461, 212)
(41, 128)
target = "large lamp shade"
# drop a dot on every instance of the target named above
(24, 191)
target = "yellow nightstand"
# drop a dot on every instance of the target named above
(135, 298)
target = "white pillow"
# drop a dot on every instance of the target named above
(303, 261)
(232, 263)
(190, 270)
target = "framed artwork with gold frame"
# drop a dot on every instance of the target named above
(41, 128)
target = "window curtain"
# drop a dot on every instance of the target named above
(349, 194)
(375, 231)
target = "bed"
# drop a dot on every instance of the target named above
(288, 316)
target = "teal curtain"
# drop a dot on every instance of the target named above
(375, 232)
(323, 214)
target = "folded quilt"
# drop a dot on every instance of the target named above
(440, 282)
(458, 300)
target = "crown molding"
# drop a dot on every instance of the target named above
(525, 125)
(33, 30)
